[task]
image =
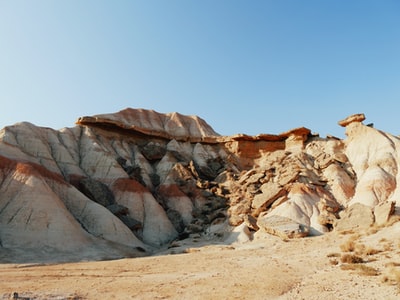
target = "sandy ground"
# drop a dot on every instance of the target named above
(266, 268)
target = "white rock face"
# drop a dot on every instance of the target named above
(175, 199)
(165, 166)
(371, 180)
(302, 207)
(96, 160)
(181, 150)
(341, 184)
(99, 221)
(40, 204)
(29, 220)
(50, 220)
(157, 228)
(375, 160)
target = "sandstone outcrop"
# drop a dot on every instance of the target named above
(352, 119)
(128, 183)
(171, 126)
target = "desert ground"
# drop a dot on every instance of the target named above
(265, 268)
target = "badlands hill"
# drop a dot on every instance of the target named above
(136, 182)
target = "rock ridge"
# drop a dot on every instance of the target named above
(129, 183)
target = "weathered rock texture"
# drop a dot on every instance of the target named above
(120, 184)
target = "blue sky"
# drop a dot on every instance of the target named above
(243, 66)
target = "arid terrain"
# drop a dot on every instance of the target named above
(266, 268)
(143, 205)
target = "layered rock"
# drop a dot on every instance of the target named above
(356, 118)
(105, 187)
(119, 184)
(171, 126)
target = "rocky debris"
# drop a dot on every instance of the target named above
(283, 227)
(293, 185)
(351, 119)
(142, 179)
(270, 191)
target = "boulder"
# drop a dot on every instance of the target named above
(357, 216)
(240, 234)
(283, 227)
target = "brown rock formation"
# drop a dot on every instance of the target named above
(171, 126)
(356, 118)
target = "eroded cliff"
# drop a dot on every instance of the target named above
(128, 183)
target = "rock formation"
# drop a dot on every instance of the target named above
(128, 183)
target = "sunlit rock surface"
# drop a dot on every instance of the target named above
(129, 183)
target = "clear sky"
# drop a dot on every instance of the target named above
(243, 66)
